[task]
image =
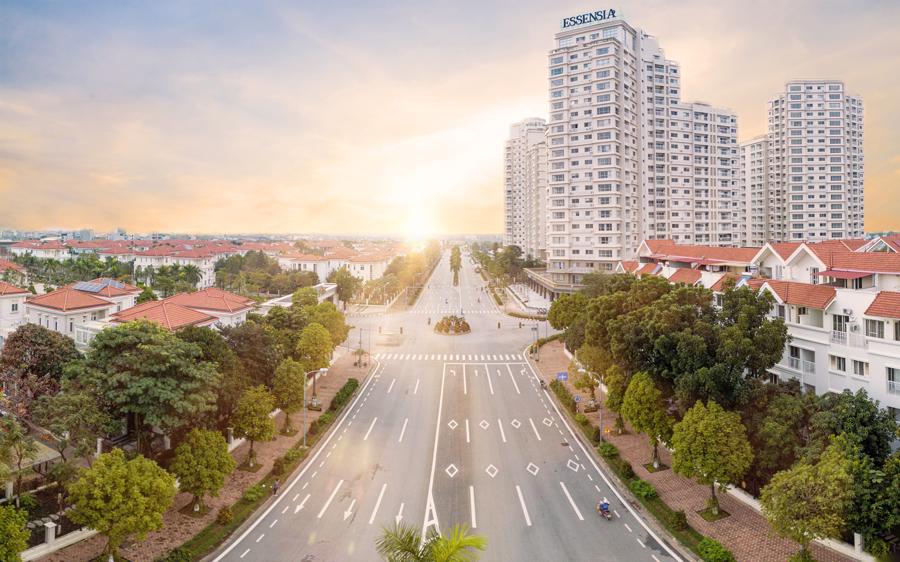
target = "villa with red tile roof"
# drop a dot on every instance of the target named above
(840, 300)
(12, 308)
(227, 308)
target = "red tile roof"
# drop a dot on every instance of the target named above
(785, 249)
(170, 315)
(719, 285)
(835, 257)
(669, 250)
(802, 294)
(885, 305)
(67, 299)
(630, 266)
(646, 269)
(112, 291)
(685, 275)
(4, 265)
(7, 289)
(213, 299)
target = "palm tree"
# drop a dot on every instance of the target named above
(404, 543)
(191, 274)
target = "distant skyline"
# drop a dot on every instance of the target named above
(381, 117)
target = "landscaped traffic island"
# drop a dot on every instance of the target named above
(452, 326)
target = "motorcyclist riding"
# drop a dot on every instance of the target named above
(603, 508)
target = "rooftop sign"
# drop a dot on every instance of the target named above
(587, 18)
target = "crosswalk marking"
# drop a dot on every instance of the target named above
(452, 357)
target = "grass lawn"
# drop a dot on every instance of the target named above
(710, 516)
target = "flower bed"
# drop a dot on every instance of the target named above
(452, 325)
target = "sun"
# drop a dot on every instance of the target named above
(418, 226)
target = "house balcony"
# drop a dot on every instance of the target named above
(848, 339)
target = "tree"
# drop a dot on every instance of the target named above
(616, 381)
(201, 463)
(146, 295)
(120, 498)
(251, 419)
(314, 347)
(13, 533)
(455, 263)
(289, 390)
(404, 543)
(711, 445)
(566, 310)
(256, 345)
(31, 364)
(809, 501)
(233, 380)
(17, 445)
(305, 296)
(859, 418)
(329, 316)
(75, 418)
(191, 274)
(347, 284)
(142, 369)
(645, 409)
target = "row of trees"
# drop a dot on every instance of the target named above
(403, 272)
(82, 267)
(169, 279)
(692, 375)
(502, 263)
(455, 263)
(255, 273)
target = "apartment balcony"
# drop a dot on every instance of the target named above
(802, 365)
(848, 339)
(893, 387)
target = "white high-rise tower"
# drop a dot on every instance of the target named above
(519, 196)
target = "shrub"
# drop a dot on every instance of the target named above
(29, 503)
(254, 493)
(711, 550)
(581, 419)
(802, 556)
(597, 437)
(643, 489)
(179, 554)
(293, 454)
(678, 520)
(563, 394)
(344, 394)
(225, 516)
(325, 420)
(607, 450)
(625, 470)
(279, 466)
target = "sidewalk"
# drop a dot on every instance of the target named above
(745, 533)
(178, 528)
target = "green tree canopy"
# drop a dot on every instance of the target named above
(711, 446)
(120, 498)
(251, 419)
(13, 533)
(347, 283)
(404, 543)
(32, 362)
(809, 501)
(332, 319)
(201, 463)
(305, 296)
(17, 446)
(646, 410)
(314, 347)
(140, 368)
(289, 390)
(257, 346)
(864, 423)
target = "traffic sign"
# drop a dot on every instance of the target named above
(562, 376)
(578, 398)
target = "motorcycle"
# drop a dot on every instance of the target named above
(543, 384)
(604, 511)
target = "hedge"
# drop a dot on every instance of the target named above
(711, 550)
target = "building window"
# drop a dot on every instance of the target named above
(860, 368)
(874, 328)
(893, 380)
(15, 307)
(897, 330)
(838, 363)
(839, 323)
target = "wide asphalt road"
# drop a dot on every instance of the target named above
(447, 430)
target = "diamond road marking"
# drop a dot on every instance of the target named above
(491, 470)
(573, 466)
(516, 423)
(532, 468)
(451, 470)
(452, 424)
(548, 422)
(484, 424)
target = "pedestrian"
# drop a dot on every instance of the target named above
(275, 487)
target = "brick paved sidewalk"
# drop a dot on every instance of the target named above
(745, 533)
(178, 528)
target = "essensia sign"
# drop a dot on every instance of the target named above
(589, 17)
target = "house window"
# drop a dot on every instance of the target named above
(838, 363)
(897, 330)
(781, 311)
(874, 328)
(860, 368)
(839, 323)
(15, 307)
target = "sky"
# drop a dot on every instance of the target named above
(364, 117)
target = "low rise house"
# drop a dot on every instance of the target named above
(65, 308)
(12, 309)
(229, 309)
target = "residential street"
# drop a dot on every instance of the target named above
(449, 429)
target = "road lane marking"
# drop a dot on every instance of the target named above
(349, 511)
(467, 431)
(403, 430)
(305, 484)
(654, 557)
(627, 527)
(287, 507)
(534, 427)
(370, 428)
(512, 378)
(487, 373)
(399, 516)
(299, 506)
(391, 387)
(272, 524)
(416, 389)
(472, 506)
(666, 547)
(430, 510)
(502, 434)
(465, 386)
(259, 538)
(330, 498)
(245, 553)
(377, 503)
(524, 509)
(640, 543)
(571, 501)
(297, 495)
(617, 514)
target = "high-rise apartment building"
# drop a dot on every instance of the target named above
(815, 163)
(523, 137)
(754, 158)
(627, 160)
(535, 196)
